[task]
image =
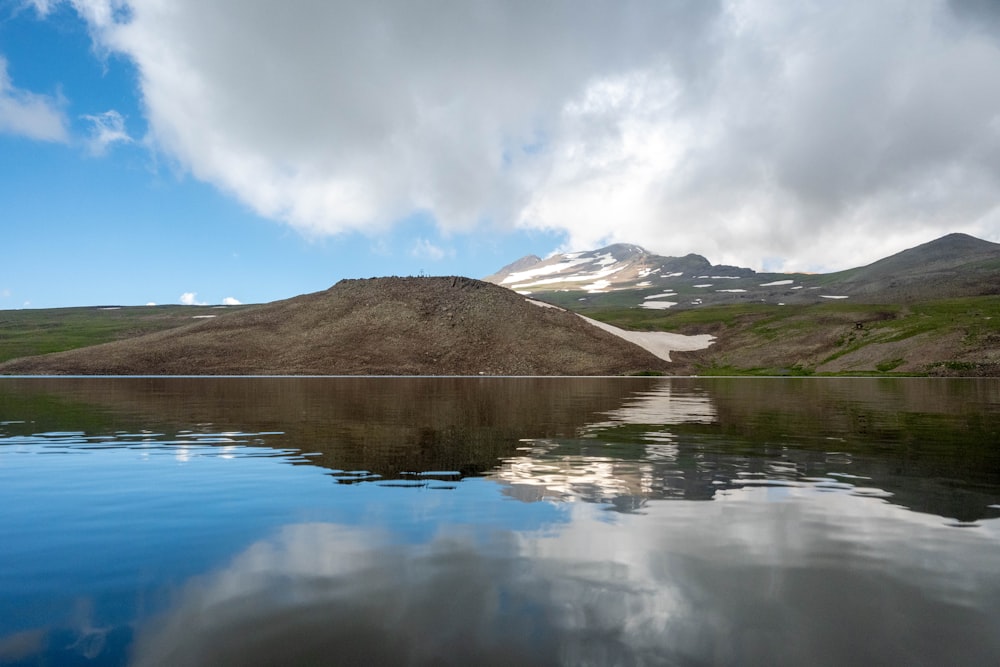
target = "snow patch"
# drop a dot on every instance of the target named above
(704, 285)
(723, 277)
(201, 317)
(527, 274)
(659, 343)
(596, 286)
(657, 305)
(542, 304)
(571, 278)
(730, 290)
(828, 296)
(661, 296)
(777, 282)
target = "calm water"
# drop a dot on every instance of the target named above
(623, 521)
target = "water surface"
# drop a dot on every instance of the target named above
(632, 521)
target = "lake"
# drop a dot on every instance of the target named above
(499, 521)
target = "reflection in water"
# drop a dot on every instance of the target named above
(666, 402)
(929, 447)
(755, 587)
(170, 521)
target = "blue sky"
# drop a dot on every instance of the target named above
(222, 149)
(128, 226)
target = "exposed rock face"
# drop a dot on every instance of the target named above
(378, 326)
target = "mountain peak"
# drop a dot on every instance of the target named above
(614, 267)
(956, 243)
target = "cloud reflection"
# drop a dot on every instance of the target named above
(748, 582)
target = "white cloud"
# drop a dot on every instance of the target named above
(151, 303)
(190, 299)
(230, 301)
(29, 114)
(822, 134)
(5, 293)
(106, 128)
(424, 249)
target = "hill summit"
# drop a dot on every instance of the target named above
(377, 326)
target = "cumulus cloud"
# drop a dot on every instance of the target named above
(191, 299)
(29, 114)
(805, 135)
(230, 301)
(425, 249)
(106, 129)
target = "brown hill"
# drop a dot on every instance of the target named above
(379, 326)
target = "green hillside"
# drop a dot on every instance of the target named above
(958, 336)
(39, 331)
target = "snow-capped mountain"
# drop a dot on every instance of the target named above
(616, 267)
(628, 275)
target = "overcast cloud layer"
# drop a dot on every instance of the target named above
(805, 135)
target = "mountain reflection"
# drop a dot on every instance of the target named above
(924, 444)
(631, 521)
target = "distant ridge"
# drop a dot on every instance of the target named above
(953, 265)
(626, 275)
(379, 326)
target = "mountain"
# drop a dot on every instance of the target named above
(651, 280)
(628, 275)
(953, 265)
(379, 326)
(618, 266)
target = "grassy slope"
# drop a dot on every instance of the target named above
(952, 336)
(40, 331)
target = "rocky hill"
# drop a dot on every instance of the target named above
(379, 326)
